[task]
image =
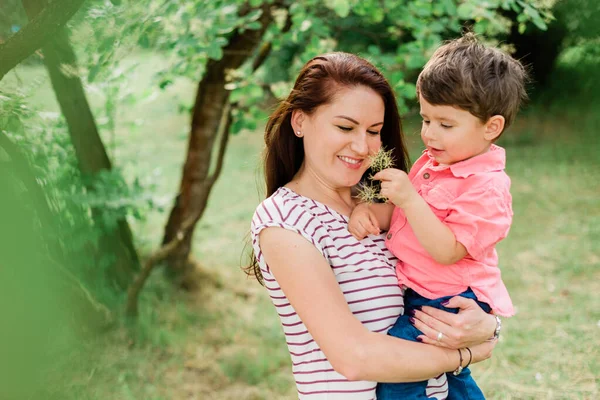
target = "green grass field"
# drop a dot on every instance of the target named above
(224, 340)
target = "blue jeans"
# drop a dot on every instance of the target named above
(460, 387)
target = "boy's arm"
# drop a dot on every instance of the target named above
(383, 214)
(435, 237)
(476, 220)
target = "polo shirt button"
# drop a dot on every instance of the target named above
(426, 175)
(389, 236)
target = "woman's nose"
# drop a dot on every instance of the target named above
(360, 144)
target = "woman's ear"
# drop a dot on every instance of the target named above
(298, 118)
(494, 127)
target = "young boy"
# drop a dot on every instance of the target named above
(453, 207)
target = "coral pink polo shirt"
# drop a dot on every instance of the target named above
(472, 198)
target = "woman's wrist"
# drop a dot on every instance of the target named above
(465, 357)
(495, 327)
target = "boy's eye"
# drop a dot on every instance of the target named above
(425, 121)
(446, 126)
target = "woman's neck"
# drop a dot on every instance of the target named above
(339, 199)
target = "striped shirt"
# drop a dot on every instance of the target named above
(365, 273)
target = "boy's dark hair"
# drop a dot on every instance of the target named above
(482, 80)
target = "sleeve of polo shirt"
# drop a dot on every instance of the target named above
(480, 218)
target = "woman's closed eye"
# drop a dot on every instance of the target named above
(349, 128)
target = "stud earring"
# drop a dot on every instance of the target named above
(299, 134)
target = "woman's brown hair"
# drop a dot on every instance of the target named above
(318, 82)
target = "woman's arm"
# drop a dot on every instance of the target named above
(309, 284)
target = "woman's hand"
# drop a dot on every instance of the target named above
(470, 327)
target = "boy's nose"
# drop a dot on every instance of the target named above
(428, 133)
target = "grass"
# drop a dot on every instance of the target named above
(225, 342)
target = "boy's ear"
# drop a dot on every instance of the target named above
(298, 117)
(494, 127)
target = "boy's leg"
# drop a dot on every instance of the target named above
(463, 387)
(403, 329)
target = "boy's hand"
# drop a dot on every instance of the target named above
(396, 187)
(363, 222)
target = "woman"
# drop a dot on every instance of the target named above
(337, 296)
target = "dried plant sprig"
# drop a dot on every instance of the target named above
(383, 159)
(366, 193)
(369, 191)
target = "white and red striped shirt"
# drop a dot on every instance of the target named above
(365, 273)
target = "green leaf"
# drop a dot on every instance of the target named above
(436, 26)
(93, 72)
(255, 25)
(396, 78)
(165, 83)
(374, 50)
(253, 15)
(408, 90)
(341, 7)
(214, 51)
(143, 41)
(536, 18)
(466, 11)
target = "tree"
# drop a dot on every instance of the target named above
(61, 63)
(410, 31)
(208, 115)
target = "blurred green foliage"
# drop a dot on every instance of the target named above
(42, 315)
(398, 36)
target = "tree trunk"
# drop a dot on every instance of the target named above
(61, 63)
(42, 26)
(207, 115)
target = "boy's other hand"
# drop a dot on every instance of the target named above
(363, 222)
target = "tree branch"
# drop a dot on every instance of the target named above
(36, 33)
(131, 308)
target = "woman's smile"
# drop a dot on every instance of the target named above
(350, 162)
